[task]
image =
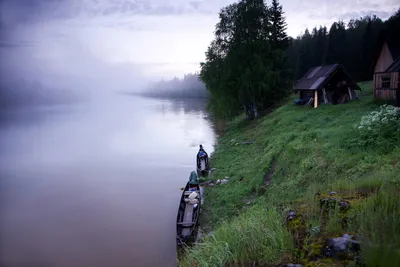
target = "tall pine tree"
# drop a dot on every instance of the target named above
(279, 38)
(280, 41)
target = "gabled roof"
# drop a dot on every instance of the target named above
(395, 66)
(315, 77)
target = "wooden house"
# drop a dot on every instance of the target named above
(387, 67)
(326, 84)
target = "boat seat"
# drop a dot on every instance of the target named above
(186, 223)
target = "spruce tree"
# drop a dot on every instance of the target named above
(279, 38)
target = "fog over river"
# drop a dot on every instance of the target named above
(97, 183)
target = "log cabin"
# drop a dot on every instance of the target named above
(326, 84)
(387, 68)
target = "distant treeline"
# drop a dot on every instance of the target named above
(352, 44)
(22, 93)
(188, 87)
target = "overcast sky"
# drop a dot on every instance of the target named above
(139, 38)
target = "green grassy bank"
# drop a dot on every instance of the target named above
(297, 158)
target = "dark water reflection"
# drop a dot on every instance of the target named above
(96, 184)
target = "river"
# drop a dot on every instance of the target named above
(96, 184)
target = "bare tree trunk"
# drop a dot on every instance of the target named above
(254, 110)
(251, 111)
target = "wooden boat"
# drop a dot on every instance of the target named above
(202, 163)
(189, 210)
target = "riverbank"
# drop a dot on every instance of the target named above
(299, 177)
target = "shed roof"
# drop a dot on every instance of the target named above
(318, 76)
(315, 77)
(395, 66)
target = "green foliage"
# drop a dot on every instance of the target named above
(380, 128)
(244, 65)
(304, 151)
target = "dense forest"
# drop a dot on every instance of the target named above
(188, 87)
(252, 63)
(352, 44)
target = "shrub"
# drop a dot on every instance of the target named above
(381, 128)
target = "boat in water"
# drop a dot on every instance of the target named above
(189, 210)
(202, 162)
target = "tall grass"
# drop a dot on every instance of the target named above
(379, 226)
(256, 235)
(307, 151)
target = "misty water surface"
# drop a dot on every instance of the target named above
(96, 184)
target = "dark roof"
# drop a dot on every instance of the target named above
(315, 77)
(395, 66)
(318, 76)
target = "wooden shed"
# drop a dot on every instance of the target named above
(387, 67)
(326, 84)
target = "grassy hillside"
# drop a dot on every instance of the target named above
(311, 161)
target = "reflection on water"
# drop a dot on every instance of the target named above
(96, 184)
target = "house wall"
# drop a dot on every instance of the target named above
(384, 93)
(384, 60)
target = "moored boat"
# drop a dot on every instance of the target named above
(189, 209)
(202, 162)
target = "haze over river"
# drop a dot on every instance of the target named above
(96, 184)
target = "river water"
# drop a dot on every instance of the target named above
(96, 184)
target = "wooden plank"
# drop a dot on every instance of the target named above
(316, 99)
(186, 224)
(395, 80)
(187, 218)
(350, 95)
(392, 76)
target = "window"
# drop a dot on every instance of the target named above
(386, 81)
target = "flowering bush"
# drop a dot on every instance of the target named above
(380, 127)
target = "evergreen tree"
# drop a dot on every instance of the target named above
(321, 45)
(243, 68)
(279, 38)
(279, 41)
